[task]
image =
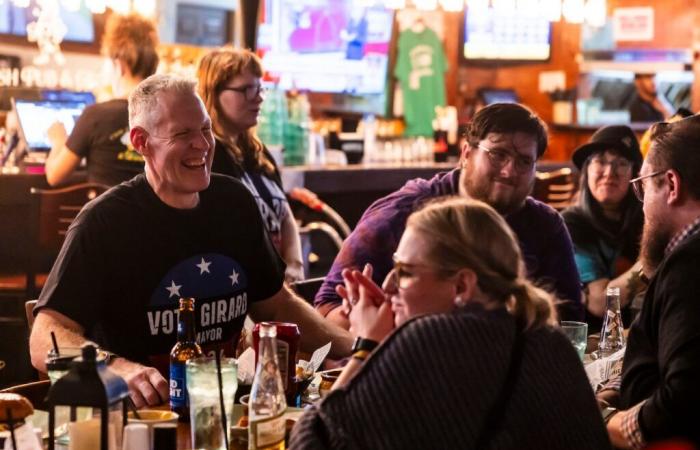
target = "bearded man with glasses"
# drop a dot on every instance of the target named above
(659, 393)
(497, 166)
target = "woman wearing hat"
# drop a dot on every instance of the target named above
(606, 223)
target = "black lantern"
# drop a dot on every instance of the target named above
(90, 384)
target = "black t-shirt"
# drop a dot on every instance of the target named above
(642, 111)
(266, 189)
(128, 258)
(102, 135)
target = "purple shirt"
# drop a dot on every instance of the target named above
(544, 241)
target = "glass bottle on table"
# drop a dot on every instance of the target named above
(186, 348)
(267, 402)
(612, 338)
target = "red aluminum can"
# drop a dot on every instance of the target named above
(287, 345)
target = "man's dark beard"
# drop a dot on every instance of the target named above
(480, 189)
(655, 237)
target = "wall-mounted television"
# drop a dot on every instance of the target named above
(493, 35)
(79, 24)
(326, 45)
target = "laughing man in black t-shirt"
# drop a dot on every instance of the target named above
(133, 252)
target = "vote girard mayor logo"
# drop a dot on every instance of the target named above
(219, 286)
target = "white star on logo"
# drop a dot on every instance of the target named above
(234, 277)
(203, 266)
(174, 289)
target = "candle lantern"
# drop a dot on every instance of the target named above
(90, 385)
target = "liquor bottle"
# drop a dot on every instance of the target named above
(611, 337)
(267, 403)
(186, 348)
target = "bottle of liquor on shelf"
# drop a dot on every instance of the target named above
(267, 402)
(186, 348)
(611, 337)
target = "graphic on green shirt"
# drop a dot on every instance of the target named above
(420, 68)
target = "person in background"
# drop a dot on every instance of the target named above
(606, 223)
(101, 133)
(459, 349)
(502, 145)
(646, 104)
(659, 392)
(133, 252)
(229, 84)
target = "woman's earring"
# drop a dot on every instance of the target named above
(459, 301)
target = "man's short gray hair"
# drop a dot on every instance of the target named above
(143, 100)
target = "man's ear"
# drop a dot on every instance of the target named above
(674, 182)
(139, 139)
(465, 152)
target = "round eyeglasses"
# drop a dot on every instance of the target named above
(638, 185)
(619, 166)
(250, 91)
(500, 158)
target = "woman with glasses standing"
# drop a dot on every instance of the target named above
(229, 84)
(458, 350)
(606, 223)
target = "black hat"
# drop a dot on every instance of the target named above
(617, 137)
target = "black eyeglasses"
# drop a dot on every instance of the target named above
(250, 91)
(403, 272)
(500, 158)
(638, 186)
(619, 166)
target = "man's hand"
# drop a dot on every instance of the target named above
(615, 432)
(607, 398)
(147, 386)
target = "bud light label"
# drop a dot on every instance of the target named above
(178, 391)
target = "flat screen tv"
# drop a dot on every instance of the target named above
(492, 35)
(79, 24)
(333, 46)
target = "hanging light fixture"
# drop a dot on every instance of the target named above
(48, 29)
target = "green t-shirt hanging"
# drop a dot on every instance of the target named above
(420, 68)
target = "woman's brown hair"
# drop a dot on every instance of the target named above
(215, 69)
(464, 233)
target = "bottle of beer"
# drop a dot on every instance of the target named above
(185, 348)
(611, 337)
(267, 403)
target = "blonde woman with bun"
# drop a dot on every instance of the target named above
(456, 350)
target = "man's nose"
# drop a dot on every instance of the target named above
(508, 168)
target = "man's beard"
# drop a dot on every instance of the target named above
(655, 237)
(481, 188)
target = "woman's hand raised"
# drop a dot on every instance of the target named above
(366, 305)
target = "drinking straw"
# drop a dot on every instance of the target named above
(11, 423)
(55, 344)
(221, 396)
(132, 407)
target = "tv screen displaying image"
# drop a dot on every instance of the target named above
(79, 24)
(493, 35)
(334, 46)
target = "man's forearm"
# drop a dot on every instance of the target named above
(68, 334)
(315, 329)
